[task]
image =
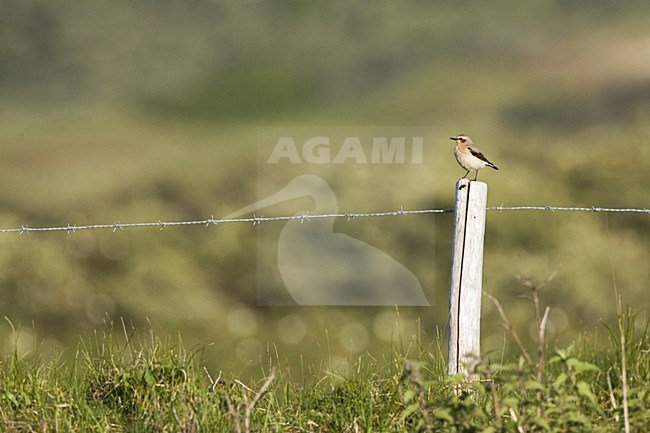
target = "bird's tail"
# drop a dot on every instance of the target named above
(489, 164)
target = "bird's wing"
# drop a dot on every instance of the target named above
(477, 153)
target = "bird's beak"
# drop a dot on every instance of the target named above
(453, 138)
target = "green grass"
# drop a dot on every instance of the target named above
(128, 380)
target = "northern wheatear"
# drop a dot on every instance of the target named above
(469, 156)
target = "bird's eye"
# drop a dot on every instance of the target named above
(463, 140)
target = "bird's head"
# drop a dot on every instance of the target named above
(462, 138)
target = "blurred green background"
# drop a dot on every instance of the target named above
(136, 111)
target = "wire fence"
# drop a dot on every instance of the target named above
(303, 217)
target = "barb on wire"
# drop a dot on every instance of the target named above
(302, 217)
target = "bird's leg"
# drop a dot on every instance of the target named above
(476, 175)
(465, 175)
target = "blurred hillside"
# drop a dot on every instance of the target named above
(144, 111)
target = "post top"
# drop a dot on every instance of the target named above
(465, 182)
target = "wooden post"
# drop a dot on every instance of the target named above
(465, 286)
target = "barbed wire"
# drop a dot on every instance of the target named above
(569, 209)
(302, 217)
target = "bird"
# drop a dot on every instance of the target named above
(320, 266)
(469, 156)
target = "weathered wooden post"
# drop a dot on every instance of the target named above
(465, 286)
